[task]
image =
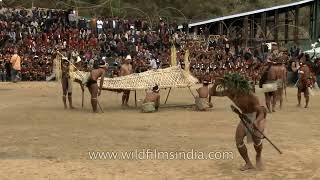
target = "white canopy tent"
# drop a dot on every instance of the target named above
(315, 52)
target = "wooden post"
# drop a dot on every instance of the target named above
(82, 99)
(286, 27)
(220, 28)
(296, 23)
(316, 19)
(135, 98)
(99, 106)
(252, 30)
(311, 11)
(276, 22)
(245, 31)
(264, 23)
(167, 96)
(191, 92)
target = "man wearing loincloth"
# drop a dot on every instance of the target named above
(66, 83)
(151, 102)
(238, 90)
(269, 81)
(95, 91)
(304, 81)
(201, 101)
(126, 69)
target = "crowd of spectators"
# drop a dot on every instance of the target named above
(37, 34)
(32, 33)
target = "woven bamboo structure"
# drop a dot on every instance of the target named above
(173, 77)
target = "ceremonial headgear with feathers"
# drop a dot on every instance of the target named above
(234, 82)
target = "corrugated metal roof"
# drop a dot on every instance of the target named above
(250, 13)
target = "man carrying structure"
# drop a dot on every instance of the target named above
(66, 83)
(126, 69)
(94, 89)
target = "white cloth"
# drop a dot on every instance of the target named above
(34, 24)
(202, 104)
(153, 64)
(113, 24)
(252, 117)
(148, 107)
(99, 24)
(270, 87)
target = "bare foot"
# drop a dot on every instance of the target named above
(259, 164)
(71, 107)
(306, 106)
(273, 110)
(125, 106)
(210, 105)
(247, 166)
(299, 105)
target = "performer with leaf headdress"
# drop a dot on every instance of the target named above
(239, 91)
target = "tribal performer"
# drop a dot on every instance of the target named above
(273, 80)
(66, 83)
(125, 70)
(151, 102)
(304, 81)
(201, 101)
(238, 90)
(95, 91)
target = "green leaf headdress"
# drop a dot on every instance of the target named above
(236, 83)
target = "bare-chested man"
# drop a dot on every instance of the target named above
(249, 104)
(92, 85)
(152, 101)
(125, 70)
(66, 83)
(282, 75)
(304, 81)
(201, 101)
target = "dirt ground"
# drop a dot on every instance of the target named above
(41, 140)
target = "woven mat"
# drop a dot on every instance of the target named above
(173, 77)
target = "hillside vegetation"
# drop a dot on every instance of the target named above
(180, 10)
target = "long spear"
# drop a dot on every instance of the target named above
(245, 121)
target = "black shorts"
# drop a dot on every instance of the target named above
(90, 82)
